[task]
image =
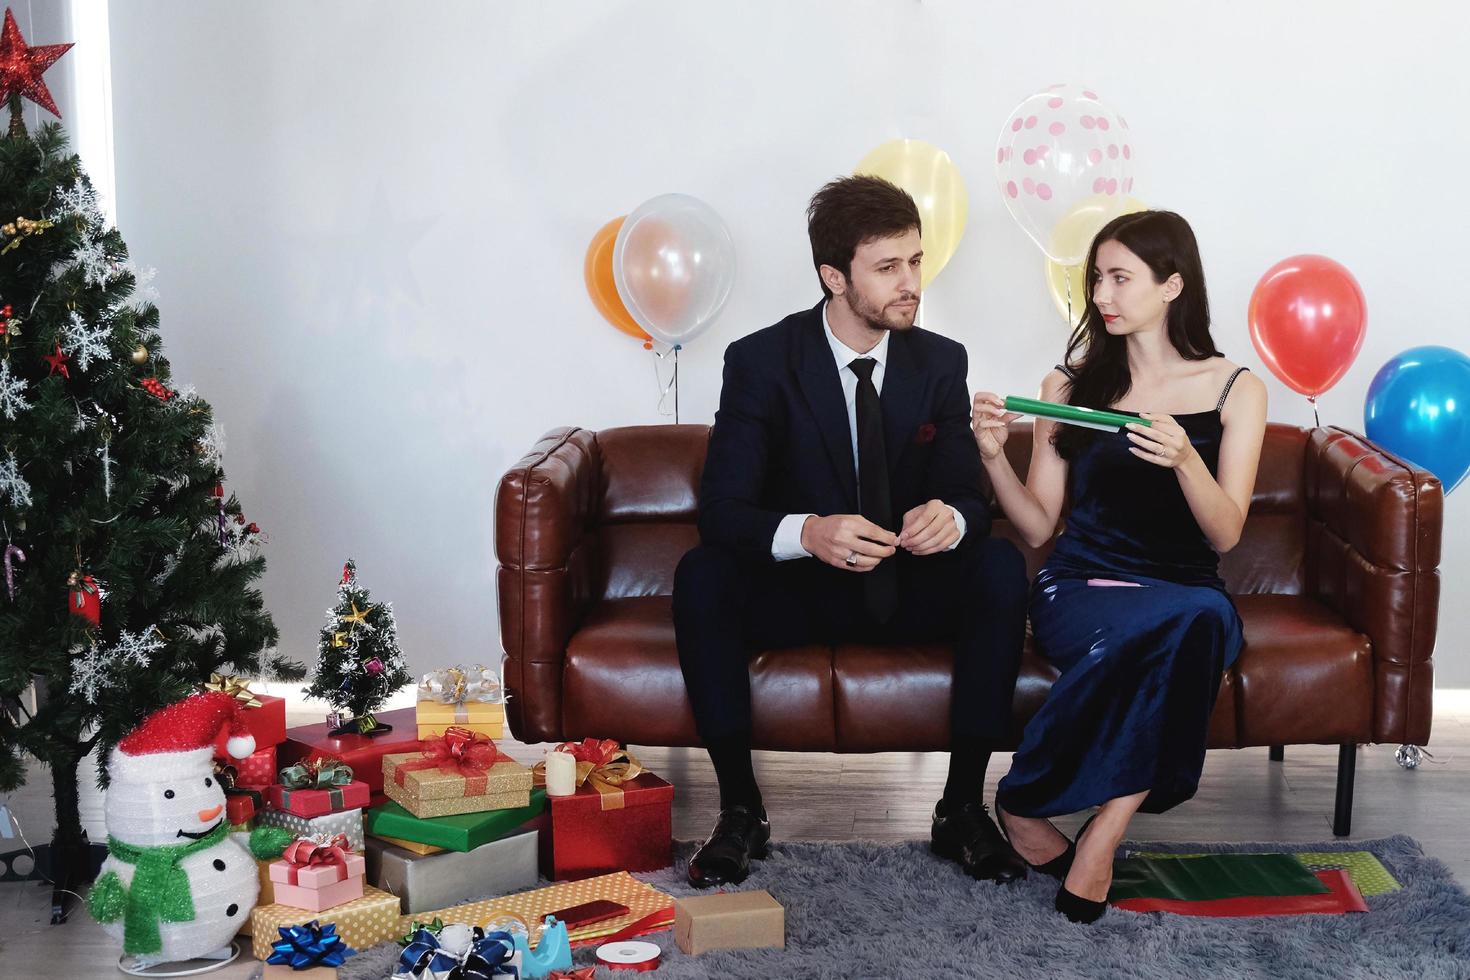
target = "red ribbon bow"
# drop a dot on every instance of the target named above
(305, 852)
(459, 752)
(596, 751)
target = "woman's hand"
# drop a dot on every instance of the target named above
(991, 423)
(1165, 443)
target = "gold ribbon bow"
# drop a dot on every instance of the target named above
(236, 687)
(602, 764)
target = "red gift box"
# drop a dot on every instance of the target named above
(239, 809)
(256, 771)
(266, 723)
(318, 802)
(363, 754)
(593, 833)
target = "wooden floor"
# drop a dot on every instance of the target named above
(1243, 797)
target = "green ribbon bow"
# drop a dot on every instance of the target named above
(160, 889)
(318, 774)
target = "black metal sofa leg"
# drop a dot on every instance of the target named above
(1342, 817)
(1278, 753)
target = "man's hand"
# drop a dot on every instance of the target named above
(928, 529)
(848, 541)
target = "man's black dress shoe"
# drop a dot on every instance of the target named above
(965, 833)
(740, 835)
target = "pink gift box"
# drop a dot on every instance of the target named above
(319, 886)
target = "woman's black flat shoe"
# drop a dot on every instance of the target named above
(1058, 866)
(1075, 907)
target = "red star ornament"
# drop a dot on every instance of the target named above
(57, 362)
(21, 66)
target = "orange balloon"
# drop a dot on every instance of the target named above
(598, 271)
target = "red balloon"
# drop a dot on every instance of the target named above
(1307, 319)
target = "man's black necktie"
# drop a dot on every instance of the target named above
(880, 586)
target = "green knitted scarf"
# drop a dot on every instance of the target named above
(160, 889)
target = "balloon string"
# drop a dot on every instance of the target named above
(1068, 278)
(672, 385)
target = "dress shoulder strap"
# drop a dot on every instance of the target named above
(1071, 375)
(1224, 394)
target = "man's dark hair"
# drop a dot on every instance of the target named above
(849, 211)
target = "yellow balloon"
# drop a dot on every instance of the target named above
(934, 182)
(1073, 236)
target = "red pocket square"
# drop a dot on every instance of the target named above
(926, 434)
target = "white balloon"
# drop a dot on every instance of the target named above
(674, 266)
(1057, 149)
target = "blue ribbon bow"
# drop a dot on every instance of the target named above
(488, 957)
(314, 944)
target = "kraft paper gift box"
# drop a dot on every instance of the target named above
(348, 823)
(353, 795)
(593, 833)
(361, 923)
(425, 882)
(461, 832)
(279, 971)
(363, 754)
(730, 920)
(429, 788)
(318, 887)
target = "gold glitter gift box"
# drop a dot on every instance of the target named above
(362, 922)
(428, 790)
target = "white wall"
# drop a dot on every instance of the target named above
(369, 220)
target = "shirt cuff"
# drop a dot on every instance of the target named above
(786, 545)
(959, 521)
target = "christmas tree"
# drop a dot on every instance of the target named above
(359, 664)
(128, 571)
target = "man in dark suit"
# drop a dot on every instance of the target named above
(841, 500)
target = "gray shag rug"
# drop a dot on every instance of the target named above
(864, 910)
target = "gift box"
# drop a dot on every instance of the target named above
(410, 845)
(435, 718)
(264, 716)
(347, 822)
(459, 773)
(597, 830)
(460, 696)
(279, 971)
(364, 922)
(462, 832)
(318, 787)
(433, 881)
(308, 880)
(256, 771)
(729, 920)
(362, 753)
(649, 910)
(239, 810)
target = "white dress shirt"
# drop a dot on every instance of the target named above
(786, 544)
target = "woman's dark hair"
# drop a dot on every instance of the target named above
(851, 210)
(1099, 360)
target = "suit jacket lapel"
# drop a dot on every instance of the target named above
(902, 386)
(822, 389)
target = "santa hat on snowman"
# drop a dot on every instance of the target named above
(181, 738)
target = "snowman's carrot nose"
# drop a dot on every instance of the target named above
(206, 815)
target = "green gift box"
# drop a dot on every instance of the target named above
(460, 832)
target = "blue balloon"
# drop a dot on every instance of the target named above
(1418, 407)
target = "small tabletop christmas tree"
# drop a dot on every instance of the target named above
(359, 664)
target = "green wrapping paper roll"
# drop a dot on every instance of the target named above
(1091, 418)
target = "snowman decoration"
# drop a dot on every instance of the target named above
(175, 886)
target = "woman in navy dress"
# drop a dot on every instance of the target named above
(1129, 607)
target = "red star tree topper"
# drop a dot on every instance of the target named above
(21, 68)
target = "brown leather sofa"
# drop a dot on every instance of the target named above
(1336, 577)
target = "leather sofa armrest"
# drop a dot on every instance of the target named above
(1373, 549)
(544, 508)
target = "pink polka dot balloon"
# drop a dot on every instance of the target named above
(1059, 155)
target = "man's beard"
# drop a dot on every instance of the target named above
(878, 318)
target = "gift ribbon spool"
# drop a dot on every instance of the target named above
(640, 957)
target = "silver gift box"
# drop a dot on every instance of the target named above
(347, 822)
(434, 881)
